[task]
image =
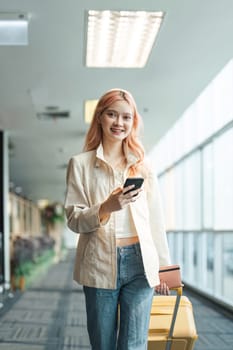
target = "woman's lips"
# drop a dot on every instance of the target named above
(117, 131)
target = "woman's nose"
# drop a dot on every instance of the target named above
(119, 120)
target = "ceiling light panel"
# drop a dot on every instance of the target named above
(13, 29)
(89, 109)
(121, 38)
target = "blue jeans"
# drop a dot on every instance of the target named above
(127, 330)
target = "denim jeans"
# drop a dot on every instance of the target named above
(110, 329)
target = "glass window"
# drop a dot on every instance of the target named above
(228, 266)
(189, 130)
(223, 181)
(201, 254)
(192, 193)
(188, 268)
(196, 238)
(178, 139)
(179, 196)
(198, 190)
(222, 97)
(210, 261)
(167, 183)
(204, 113)
(208, 174)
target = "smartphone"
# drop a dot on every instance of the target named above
(137, 181)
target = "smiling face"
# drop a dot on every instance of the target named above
(117, 121)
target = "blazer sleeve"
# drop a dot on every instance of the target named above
(81, 216)
(157, 222)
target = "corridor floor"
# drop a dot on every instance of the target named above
(50, 315)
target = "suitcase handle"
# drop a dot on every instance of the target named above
(179, 291)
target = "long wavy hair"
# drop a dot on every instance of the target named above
(94, 135)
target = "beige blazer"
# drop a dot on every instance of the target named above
(90, 180)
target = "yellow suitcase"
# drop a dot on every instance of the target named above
(172, 325)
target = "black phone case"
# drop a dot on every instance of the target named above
(137, 181)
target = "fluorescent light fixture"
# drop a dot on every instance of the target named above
(89, 109)
(121, 38)
(13, 29)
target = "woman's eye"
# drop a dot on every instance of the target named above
(127, 117)
(111, 114)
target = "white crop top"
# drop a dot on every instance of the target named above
(124, 224)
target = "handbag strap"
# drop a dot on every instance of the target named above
(175, 311)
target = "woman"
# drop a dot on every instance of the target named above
(122, 239)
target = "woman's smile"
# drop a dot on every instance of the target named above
(116, 130)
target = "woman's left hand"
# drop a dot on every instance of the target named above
(162, 288)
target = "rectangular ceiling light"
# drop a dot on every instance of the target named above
(121, 38)
(89, 109)
(13, 29)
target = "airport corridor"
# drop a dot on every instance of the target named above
(50, 315)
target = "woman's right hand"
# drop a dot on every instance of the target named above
(118, 199)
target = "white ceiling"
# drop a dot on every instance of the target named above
(195, 42)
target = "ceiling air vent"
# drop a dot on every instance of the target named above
(53, 112)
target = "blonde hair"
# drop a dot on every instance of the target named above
(94, 134)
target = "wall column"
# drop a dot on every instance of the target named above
(4, 214)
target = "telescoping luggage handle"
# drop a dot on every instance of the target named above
(179, 291)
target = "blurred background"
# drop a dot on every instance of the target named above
(176, 58)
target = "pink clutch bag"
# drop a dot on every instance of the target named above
(171, 275)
